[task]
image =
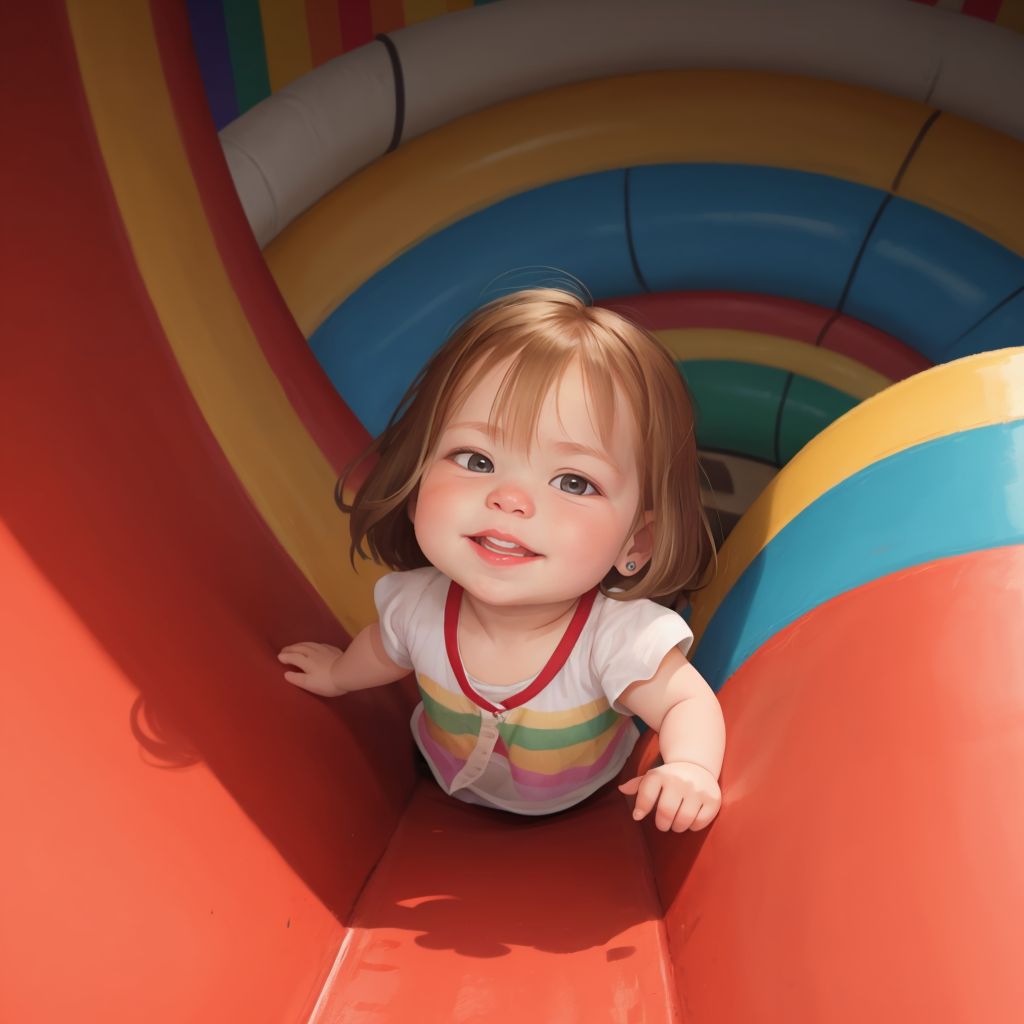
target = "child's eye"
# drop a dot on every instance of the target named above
(573, 483)
(473, 461)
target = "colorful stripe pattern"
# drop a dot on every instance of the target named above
(248, 49)
(767, 374)
(583, 226)
(549, 753)
(207, 318)
(949, 496)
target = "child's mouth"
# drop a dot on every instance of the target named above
(503, 551)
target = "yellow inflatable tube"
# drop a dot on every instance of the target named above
(662, 117)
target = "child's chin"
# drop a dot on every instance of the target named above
(510, 593)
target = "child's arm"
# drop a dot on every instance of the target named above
(330, 672)
(683, 710)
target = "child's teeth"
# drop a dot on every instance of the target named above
(503, 547)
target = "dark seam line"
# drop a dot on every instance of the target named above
(396, 70)
(826, 326)
(778, 421)
(629, 234)
(936, 75)
(853, 270)
(977, 323)
(925, 128)
(860, 252)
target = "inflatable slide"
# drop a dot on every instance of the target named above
(219, 277)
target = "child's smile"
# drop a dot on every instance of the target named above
(537, 527)
(502, 549)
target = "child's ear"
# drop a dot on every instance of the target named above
(638, 549)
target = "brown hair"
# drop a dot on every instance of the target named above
(542, 331)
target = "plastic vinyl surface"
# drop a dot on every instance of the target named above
(770, 314)
(970, 173)
(1003, 326)
(940, 403)
(157, 862)
(893, 502)
(477, 915)
(866, 862)
(818, 364)
(283, 470)
(928, 279)
(716, 117)
(454, 66)
(261, 145)
(750, 229)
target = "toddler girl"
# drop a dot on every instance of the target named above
(536, 488)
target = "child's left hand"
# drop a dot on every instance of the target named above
(687, 796)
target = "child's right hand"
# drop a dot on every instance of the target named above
(315, 662)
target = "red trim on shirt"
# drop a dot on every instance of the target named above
(452, 606)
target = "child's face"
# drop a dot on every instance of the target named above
(572, 509)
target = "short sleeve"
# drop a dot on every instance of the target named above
(633, 640)
(397, 596)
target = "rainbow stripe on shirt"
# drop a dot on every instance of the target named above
(549, 754)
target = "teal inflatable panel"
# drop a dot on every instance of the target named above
(737, 405)
(748, 229)
(1002, 328)
(809, 408)
(927, 278)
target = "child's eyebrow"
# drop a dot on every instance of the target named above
(573, 448)
(484, 428)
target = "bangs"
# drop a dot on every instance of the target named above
(538, 363)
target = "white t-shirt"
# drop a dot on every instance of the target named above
(560, 746)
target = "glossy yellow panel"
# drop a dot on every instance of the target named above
(282, 469)
(662, 117)
(974, 174)
(973, 392)
(827, 367)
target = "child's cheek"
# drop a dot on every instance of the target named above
(585, 533)
(440, 489)
(443, 497)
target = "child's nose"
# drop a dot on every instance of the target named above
(510, 497)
